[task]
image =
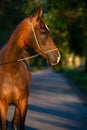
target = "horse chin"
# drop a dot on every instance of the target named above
(53, 63)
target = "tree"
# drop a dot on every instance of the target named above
(69, 16)
(11, 13)
(78, 32)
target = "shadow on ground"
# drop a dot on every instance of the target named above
(54, 104)
(26, 127)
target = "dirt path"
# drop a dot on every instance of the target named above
(53, 104)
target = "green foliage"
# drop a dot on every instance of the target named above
(69, 16)
(11, 13)
(76, 39)
(58, 68)
(79, 76)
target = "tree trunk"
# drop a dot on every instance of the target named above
(86, 64)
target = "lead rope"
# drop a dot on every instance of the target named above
(21, 59)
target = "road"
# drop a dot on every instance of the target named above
(54, 104)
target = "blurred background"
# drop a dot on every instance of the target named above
(67, 20)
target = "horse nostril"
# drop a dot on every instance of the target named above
(53, 58)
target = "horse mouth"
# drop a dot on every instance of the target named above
(54, 60)
(53, 64)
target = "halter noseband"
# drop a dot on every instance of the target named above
(38, 42)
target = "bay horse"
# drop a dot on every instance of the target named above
(15, 77)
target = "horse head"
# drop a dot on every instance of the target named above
(41, 40)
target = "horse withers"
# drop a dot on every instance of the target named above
(15, 77)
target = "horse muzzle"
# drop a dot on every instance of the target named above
(53, 58)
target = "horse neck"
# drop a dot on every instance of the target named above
(16, 43)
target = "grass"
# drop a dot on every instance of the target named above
(79, 76)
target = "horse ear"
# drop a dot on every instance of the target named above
(39, 14)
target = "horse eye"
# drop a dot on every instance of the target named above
(41, 25)
(43, 32)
